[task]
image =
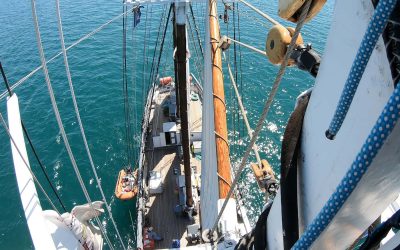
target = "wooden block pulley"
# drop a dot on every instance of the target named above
(291, 9)
(278, 40)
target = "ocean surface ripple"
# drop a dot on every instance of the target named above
(96, 68)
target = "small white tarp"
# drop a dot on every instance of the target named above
(155, 183)
(169, 127)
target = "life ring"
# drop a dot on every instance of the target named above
(278, 39)
(291, 9)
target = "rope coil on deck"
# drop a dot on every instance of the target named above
(370, 39)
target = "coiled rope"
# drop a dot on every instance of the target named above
(371, 36)
(266, 108)
(59, 121)
(78, 117)
(381, 130)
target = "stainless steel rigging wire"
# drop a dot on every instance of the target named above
(199, 55)
(242, 109)
(23, 79)
(59, 121)
(42, 167)
(197, 30)
(266, 108)
(78, 117)
(274, 22)
(26, 164)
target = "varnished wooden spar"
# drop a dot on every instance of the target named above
(221, 134)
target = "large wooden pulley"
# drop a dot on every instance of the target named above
(278, 40)
(291, 9)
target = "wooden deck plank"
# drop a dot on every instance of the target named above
(161, 206)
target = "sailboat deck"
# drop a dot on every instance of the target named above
(160, 207)
(195, 116)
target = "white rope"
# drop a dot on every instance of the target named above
(252, 19)
(27, 166)
(267, 105)
(249, 47)
(30, 170)
(78, 117)
(59, 121)
(260, 12)
(23, 79)
(243, 111)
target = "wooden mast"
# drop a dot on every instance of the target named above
(180, 71)
(221, 134)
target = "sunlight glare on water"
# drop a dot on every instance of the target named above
(96, 68)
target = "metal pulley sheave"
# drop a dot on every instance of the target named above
(291, 9)
(278, 40)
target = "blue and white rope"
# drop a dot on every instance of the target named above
(371, 36)
(383, 127)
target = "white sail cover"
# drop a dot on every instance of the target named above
(209, 179)
(48, 230)
(40, 235)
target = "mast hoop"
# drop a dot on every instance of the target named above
(266, 108)
(222, 138)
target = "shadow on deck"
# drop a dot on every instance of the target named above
(161, 211)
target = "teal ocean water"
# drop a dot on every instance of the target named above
(96, 67)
